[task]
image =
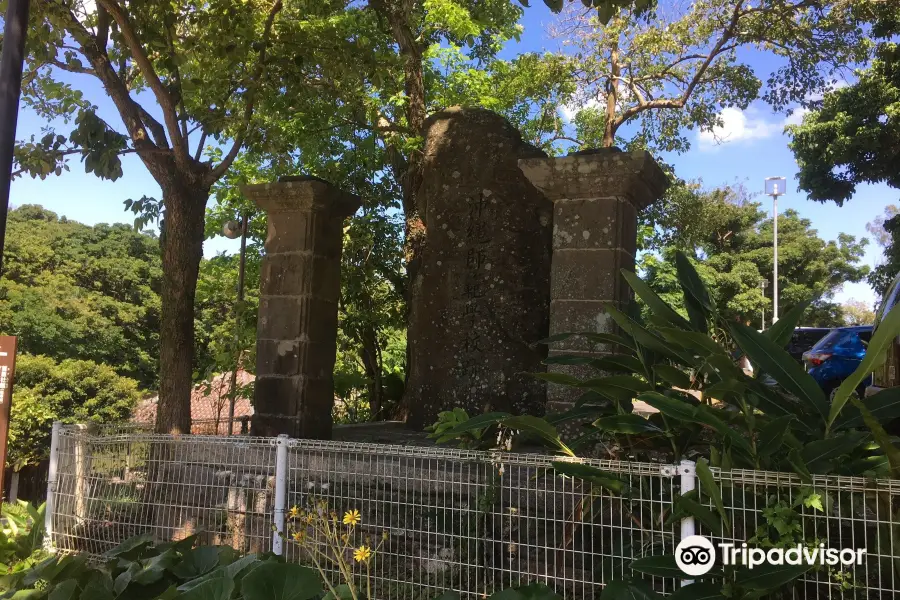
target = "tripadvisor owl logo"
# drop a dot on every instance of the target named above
(695, 555)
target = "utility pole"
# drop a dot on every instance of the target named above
(11, 61)
(775, 186)
(229, 231)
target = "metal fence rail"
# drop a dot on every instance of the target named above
(475, 522)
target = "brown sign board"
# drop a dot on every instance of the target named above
(7, 374)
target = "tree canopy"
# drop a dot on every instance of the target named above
(677, 71)
(74, 291)
(853, 134)
(71, 391)
(731, 239)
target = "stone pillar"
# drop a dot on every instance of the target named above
(596, 198)
(482, 285)
(300, 284)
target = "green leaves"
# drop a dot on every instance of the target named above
(627, 424)
(774, 361)
(591, 474)
(697, 301)
(780, 332)
(656, 304)
(771, 436)
(711, 488)
(279, 581)
(770, 577)
(138, 569)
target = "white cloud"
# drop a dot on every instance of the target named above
(568, 111)
(737, 126)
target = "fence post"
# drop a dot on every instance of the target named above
(83, 456)
(281, 477)
(688, 471)
(49, 506)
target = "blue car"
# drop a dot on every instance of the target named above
(837, 355)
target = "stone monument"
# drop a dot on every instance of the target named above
(300, 285)
(480, 295)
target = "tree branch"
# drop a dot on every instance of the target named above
(129, 110)
(70, 68)
(156, 129)
(718, 48)
(199, 152)
(223, 166)
(163, 97)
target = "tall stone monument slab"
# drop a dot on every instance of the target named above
(480, 294)
(596, 199)
(300, 285)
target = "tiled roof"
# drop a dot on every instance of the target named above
(209, 401)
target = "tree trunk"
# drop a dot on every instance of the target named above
(370, 355)
(182, 249)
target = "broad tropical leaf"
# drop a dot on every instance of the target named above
(652, 300)
(711, 488)
(591, 474)
(881, 341)
(775, 361)
(780, 332)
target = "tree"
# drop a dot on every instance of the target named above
(678, 70)
(201, 66)
(71, 391)
(857, 312)
(853, 134)
(74, 291)
(884, 229)
(730, 238)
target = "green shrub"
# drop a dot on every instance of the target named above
(71, 391)
(21, 540)
(137, 569)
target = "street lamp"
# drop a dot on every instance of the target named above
(775, 186)
(231, 230)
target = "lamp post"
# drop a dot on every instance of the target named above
(775, 187)
(231, 230)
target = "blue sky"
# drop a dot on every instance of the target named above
(755, 148)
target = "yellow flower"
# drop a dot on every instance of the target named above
(295, 512)
(351, 517)
(298, 536)
(362, 554)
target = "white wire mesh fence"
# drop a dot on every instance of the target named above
(474, 522)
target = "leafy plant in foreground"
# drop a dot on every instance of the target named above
(712, 411)
(21, 539)
(137, 570)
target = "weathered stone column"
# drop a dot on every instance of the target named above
(596, 198)
(481, 290)
(300, 285)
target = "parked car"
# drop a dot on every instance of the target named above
(803, 339)
(885, 376)
(837, 355)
